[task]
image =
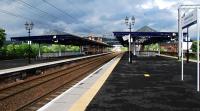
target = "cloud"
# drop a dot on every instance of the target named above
(147, 5)
(88, 16)
(161, 4)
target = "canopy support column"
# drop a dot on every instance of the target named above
(148, 50)
(187, 45)
(60, 52)
(39, 51)
(158, 49)
(134, 49)
(130, 52)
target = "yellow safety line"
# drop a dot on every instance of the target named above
(84, 100)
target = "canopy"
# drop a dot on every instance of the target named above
(146, 37)
(64, 39)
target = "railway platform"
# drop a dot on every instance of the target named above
(55, 78)
(79, 96)
(7, 64)
(148, 84)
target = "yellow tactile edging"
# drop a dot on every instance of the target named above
(84, 100)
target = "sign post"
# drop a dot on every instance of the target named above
(198, 49)
(186, 21)
(182, 62)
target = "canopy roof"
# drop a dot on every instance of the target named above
(146, 29)
(146, 35)
(64, 39)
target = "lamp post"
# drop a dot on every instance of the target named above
(29, 27)
(130, 22)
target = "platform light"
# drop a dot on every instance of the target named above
(55, 39)
(29, 27)
(146, 75)
(173, 34)
(130, 23)
(133, 20)
(126, 20)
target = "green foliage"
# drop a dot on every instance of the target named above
(124, 49)
(55, 48)
(154, 47)
(22, 50)
(2, 37)
(3, 50)
(18, 50)
(194, 46)
(72, 48)
(10, 49)
(34, 50)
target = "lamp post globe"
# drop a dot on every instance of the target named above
(126, 20)
(133, 20)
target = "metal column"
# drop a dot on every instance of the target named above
(198, 31)
(179, 33)
(187, 45)
(60, 50)
(39, 52)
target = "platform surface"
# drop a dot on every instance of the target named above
(78, 97)
(127, 89)
(12, 63)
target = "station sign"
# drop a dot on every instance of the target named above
(127, 37)
(189, 19)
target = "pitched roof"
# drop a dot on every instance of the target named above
(146, 29)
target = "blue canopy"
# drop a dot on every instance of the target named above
(64, 39)
(148, 37)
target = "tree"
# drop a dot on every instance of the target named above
(2, 37)
(194, 46)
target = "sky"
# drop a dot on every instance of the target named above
(86, 17)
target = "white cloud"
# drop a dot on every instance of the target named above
(164, 4)
(148, 5)
(161, 4)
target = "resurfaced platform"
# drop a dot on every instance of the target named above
(148, 84)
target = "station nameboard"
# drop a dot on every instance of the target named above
(127, 37)
(189, 19)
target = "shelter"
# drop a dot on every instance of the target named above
(146, 35)
(64, 39)
(87, 46)
(141, 37)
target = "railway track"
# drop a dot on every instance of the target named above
(20, 95)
